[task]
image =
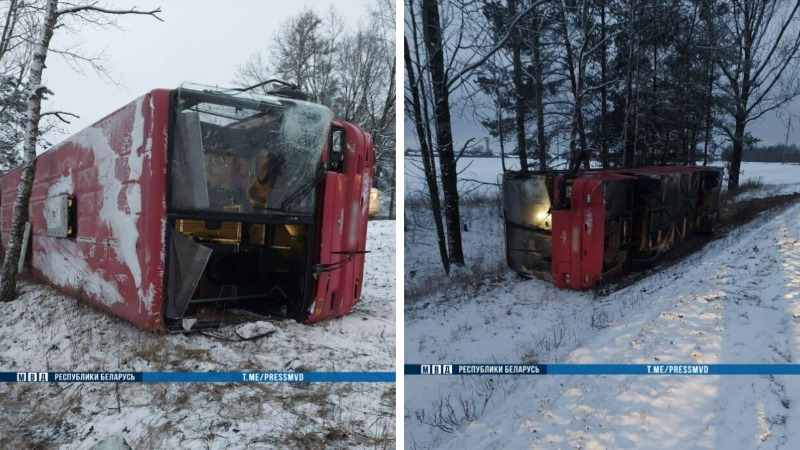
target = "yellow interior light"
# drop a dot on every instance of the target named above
(541, 218)
(293, 229)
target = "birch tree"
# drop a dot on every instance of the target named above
(18, 32)
(52, 16)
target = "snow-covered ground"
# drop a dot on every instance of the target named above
(775, 179)
(43, 330)
(735, 301)
(483, 175)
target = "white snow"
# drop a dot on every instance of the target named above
(776, 179)
(67, 266)
(251, 330)
(45, 331)
(136, 156)
(121, 217)
(63, 185)
(735, 301)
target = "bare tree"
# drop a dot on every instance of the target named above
(353, 73)
(366, 96)
(645, 82)
(758, 43)
(381, 104)
(253, 72)
(414, 105)
(364, 73)
(451, 53)
(52, 17)
(303, 51)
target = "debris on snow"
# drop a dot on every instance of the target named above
(254, 330)
(113, 442)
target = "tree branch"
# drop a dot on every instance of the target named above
(59, 115)
(77, 9)
(777, 42)
(470, 67)
(464, 148)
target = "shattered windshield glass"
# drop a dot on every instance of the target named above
(242, 152)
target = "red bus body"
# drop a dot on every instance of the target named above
(116, 176)
(580, 230)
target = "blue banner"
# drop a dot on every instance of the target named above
(602, 369)
(199, 377)
(268, 377)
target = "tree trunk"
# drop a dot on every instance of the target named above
(579, 108)
(501, 135)
(519, 90)
(582, 60)
(627, 134)
(603, 89)
(740, 119)
(709, 105)
(8, 278)
(637, 74)
(432, 32)
(694, 140)
(391, 200)
(654, 120)
(738, 145)
(429, 168)
(541, 140)
(573, 82)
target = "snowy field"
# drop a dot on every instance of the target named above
(45, 331)
(483, 174)
(735, 301)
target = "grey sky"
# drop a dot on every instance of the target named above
(771, 129)
(201, 41)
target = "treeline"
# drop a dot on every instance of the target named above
(772, 153)
(633, 83)
(651, 83)
(636, 83)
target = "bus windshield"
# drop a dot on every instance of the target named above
(240, 152)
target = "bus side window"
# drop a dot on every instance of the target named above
(336, 149)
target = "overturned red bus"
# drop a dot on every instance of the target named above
(188, 203)
(579, 228)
